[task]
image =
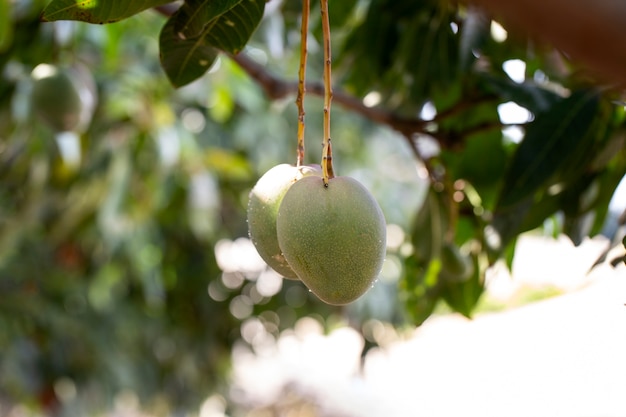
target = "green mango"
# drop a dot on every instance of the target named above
(263, 205)
(55, 98)
(333, 237)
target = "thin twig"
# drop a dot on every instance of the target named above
(304, 31)
(327, 155)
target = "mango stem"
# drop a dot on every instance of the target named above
(327, 154)
(304, 30)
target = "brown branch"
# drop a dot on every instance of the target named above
(277, 88)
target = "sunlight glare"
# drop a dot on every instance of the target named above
(512, 113)
(516, 69)
(498, 33)
(372, 99)
(86, 4)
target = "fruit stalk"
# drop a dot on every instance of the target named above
(327, 154)
(301, 80)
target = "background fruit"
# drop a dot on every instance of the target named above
(55, 98)
(333, 237)
(265, 199)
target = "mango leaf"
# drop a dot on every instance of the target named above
(525, 215)
(6, 26)
(185, 59)
(405, 50)
(578, 217)
(473, 34)
(428, 51)
(529, 95)
(194, 15)
(96, 11)
(462, 296)
(552, 141)
(340, 12)
(608, 181)
(419, 288)
(430, 227)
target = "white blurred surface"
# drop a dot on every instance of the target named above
(563, 356)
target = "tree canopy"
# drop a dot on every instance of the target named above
(124, 258)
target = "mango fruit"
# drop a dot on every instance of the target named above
(333, 237)
(263, 204)
(55, 98)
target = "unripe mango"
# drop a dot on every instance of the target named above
(265, 198)
(333, 237)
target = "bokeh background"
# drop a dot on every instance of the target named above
(128, 284)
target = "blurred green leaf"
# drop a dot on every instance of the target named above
(430, 227)
(552, 141)
(185, 59)
(473, 34)
(534, 97)
(463, 295)
(428, 53)
(228, 165)
(419, 289)
(96, 11)
(485, 174)
(6, 25)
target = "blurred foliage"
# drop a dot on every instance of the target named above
(123, 259)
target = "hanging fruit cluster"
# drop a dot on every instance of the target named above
(308, 224)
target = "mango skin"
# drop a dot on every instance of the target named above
(263, 204)
(333, 237)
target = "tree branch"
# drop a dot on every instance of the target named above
(277, 88)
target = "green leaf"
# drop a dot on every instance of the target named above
(529, 95)
(195, 15)
(608, 181)
(419, 291)
(428, 50)
(231, 30)
(462, 296)
(185, 59)
(474, 32)
(339, 11)
(485, 174)
(552, 141)
(6, 26)
(96, 11)
(430, 226)
(525, 215)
